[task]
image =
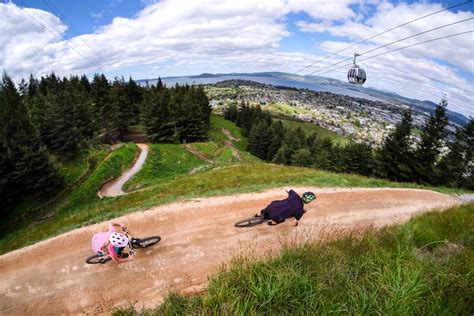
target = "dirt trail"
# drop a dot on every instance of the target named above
(114, 187)
(196, 152)
(198, 236)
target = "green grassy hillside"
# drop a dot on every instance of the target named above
(424, 267)
(73, 171)
(283, 110)
(313, 128)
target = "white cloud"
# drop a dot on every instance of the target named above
(178, 37)
(324, 9)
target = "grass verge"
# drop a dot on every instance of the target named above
(424, 267)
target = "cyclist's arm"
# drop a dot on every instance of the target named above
(297, 218)
(114, 257)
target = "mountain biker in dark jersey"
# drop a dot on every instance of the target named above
(293, 206)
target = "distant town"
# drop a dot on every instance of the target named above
(359, 119)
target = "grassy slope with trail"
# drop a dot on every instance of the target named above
(73, 172)
(27, 233)
(250, 175)
(166, 161)
(422, 267)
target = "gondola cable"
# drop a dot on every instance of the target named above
(391, 43)
(378, 34)
(401, 48)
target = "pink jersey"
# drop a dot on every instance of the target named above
(99, 239)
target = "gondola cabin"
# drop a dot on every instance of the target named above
(356, 75)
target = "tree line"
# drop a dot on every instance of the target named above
(434, 158)
(63, 116)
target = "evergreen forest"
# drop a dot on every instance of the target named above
(60, 117)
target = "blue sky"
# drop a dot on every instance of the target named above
(145, 39)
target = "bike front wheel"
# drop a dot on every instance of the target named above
(145, 242)
(97, 259)
(249, 222)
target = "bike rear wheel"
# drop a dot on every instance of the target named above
(249, 222)
(97, 259)
(145, 242)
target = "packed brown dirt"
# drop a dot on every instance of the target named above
(51, 278)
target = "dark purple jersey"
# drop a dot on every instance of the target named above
(292, 206)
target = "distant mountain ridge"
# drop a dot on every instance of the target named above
(387, 96)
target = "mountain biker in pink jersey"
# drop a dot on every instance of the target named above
(112, 243)
(293, 206)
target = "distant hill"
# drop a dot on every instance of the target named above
(205, 75)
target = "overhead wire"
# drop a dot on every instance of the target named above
(404, 47)
(73, 28)
(381, 33)
(47, 26)
(391, 43)
(384, 32)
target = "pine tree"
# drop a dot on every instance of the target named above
(395, 158)
(31, 168)
(277, 133)
(156, 117)
(323, 156)
(106, 111)
(302, 157)
(259, 139)
(456, 168)
(283, 155)
(230, 113)
(64, 137)
(7, 189)
(135, 97)
(121, 103)
(428, 151)
(357, 158)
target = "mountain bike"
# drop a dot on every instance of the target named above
(133, 243)
(251, 221)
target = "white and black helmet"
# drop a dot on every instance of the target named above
(118, 240)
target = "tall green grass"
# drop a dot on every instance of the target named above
(424, 267)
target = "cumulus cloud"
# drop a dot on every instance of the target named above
(187, 37)
(26, 46)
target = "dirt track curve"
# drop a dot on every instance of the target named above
(198, 236)
(114, 187)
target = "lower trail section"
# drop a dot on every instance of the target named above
(114, 187)
(197, 237)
